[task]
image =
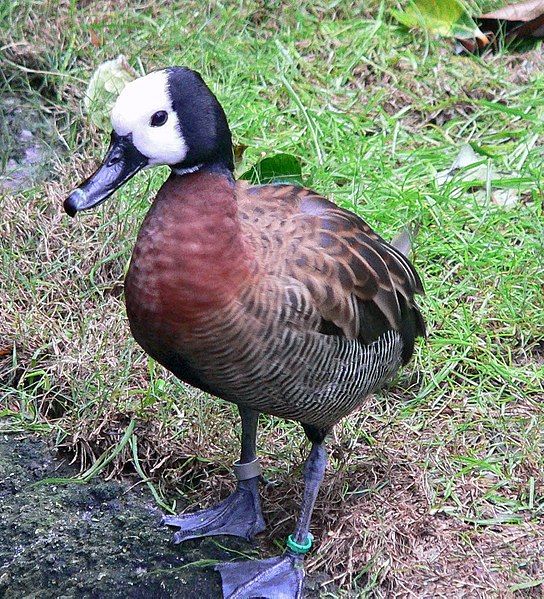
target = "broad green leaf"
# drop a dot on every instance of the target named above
(443, 17)
(281, 168)
(105, 85)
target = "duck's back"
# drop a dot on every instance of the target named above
(360, 285)
(324, 315)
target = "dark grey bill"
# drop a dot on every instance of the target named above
(122, 161)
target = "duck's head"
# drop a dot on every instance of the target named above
(168, 117)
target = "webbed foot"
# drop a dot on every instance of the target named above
(238, 515)
(274, 578)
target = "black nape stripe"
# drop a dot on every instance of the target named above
(202, 121)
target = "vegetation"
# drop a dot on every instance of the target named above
(435, 486)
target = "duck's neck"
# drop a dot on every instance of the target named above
(217, 168)
(190, 257)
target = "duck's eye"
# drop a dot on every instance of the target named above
(159, 118)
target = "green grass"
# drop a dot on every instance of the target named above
(440, 476)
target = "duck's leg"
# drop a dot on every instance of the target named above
(239, 514)
(280, 577)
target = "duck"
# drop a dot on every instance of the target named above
(270, 297)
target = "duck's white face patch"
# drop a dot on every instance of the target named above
(133, 112)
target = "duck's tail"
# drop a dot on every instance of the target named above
(403, 241)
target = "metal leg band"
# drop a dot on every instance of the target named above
(247, 470)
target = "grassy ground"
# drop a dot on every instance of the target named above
(435, 486)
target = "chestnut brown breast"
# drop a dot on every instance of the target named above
(189, 258)
(270, 297)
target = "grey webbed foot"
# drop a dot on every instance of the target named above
(280, 577)
(274, 578)
(238, 515)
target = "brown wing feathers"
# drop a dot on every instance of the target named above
(359, 283)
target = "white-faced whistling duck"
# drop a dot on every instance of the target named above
(269, 296)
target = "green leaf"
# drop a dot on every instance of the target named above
(447, 18)
(281, 168)
(105, 85)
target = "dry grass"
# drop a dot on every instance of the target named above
(435, 487)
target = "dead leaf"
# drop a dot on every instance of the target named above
(105, 85)
(522, 20)
(521, 11)
(95, 40)
(470, 167)
(479, 170)
(507, 198)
